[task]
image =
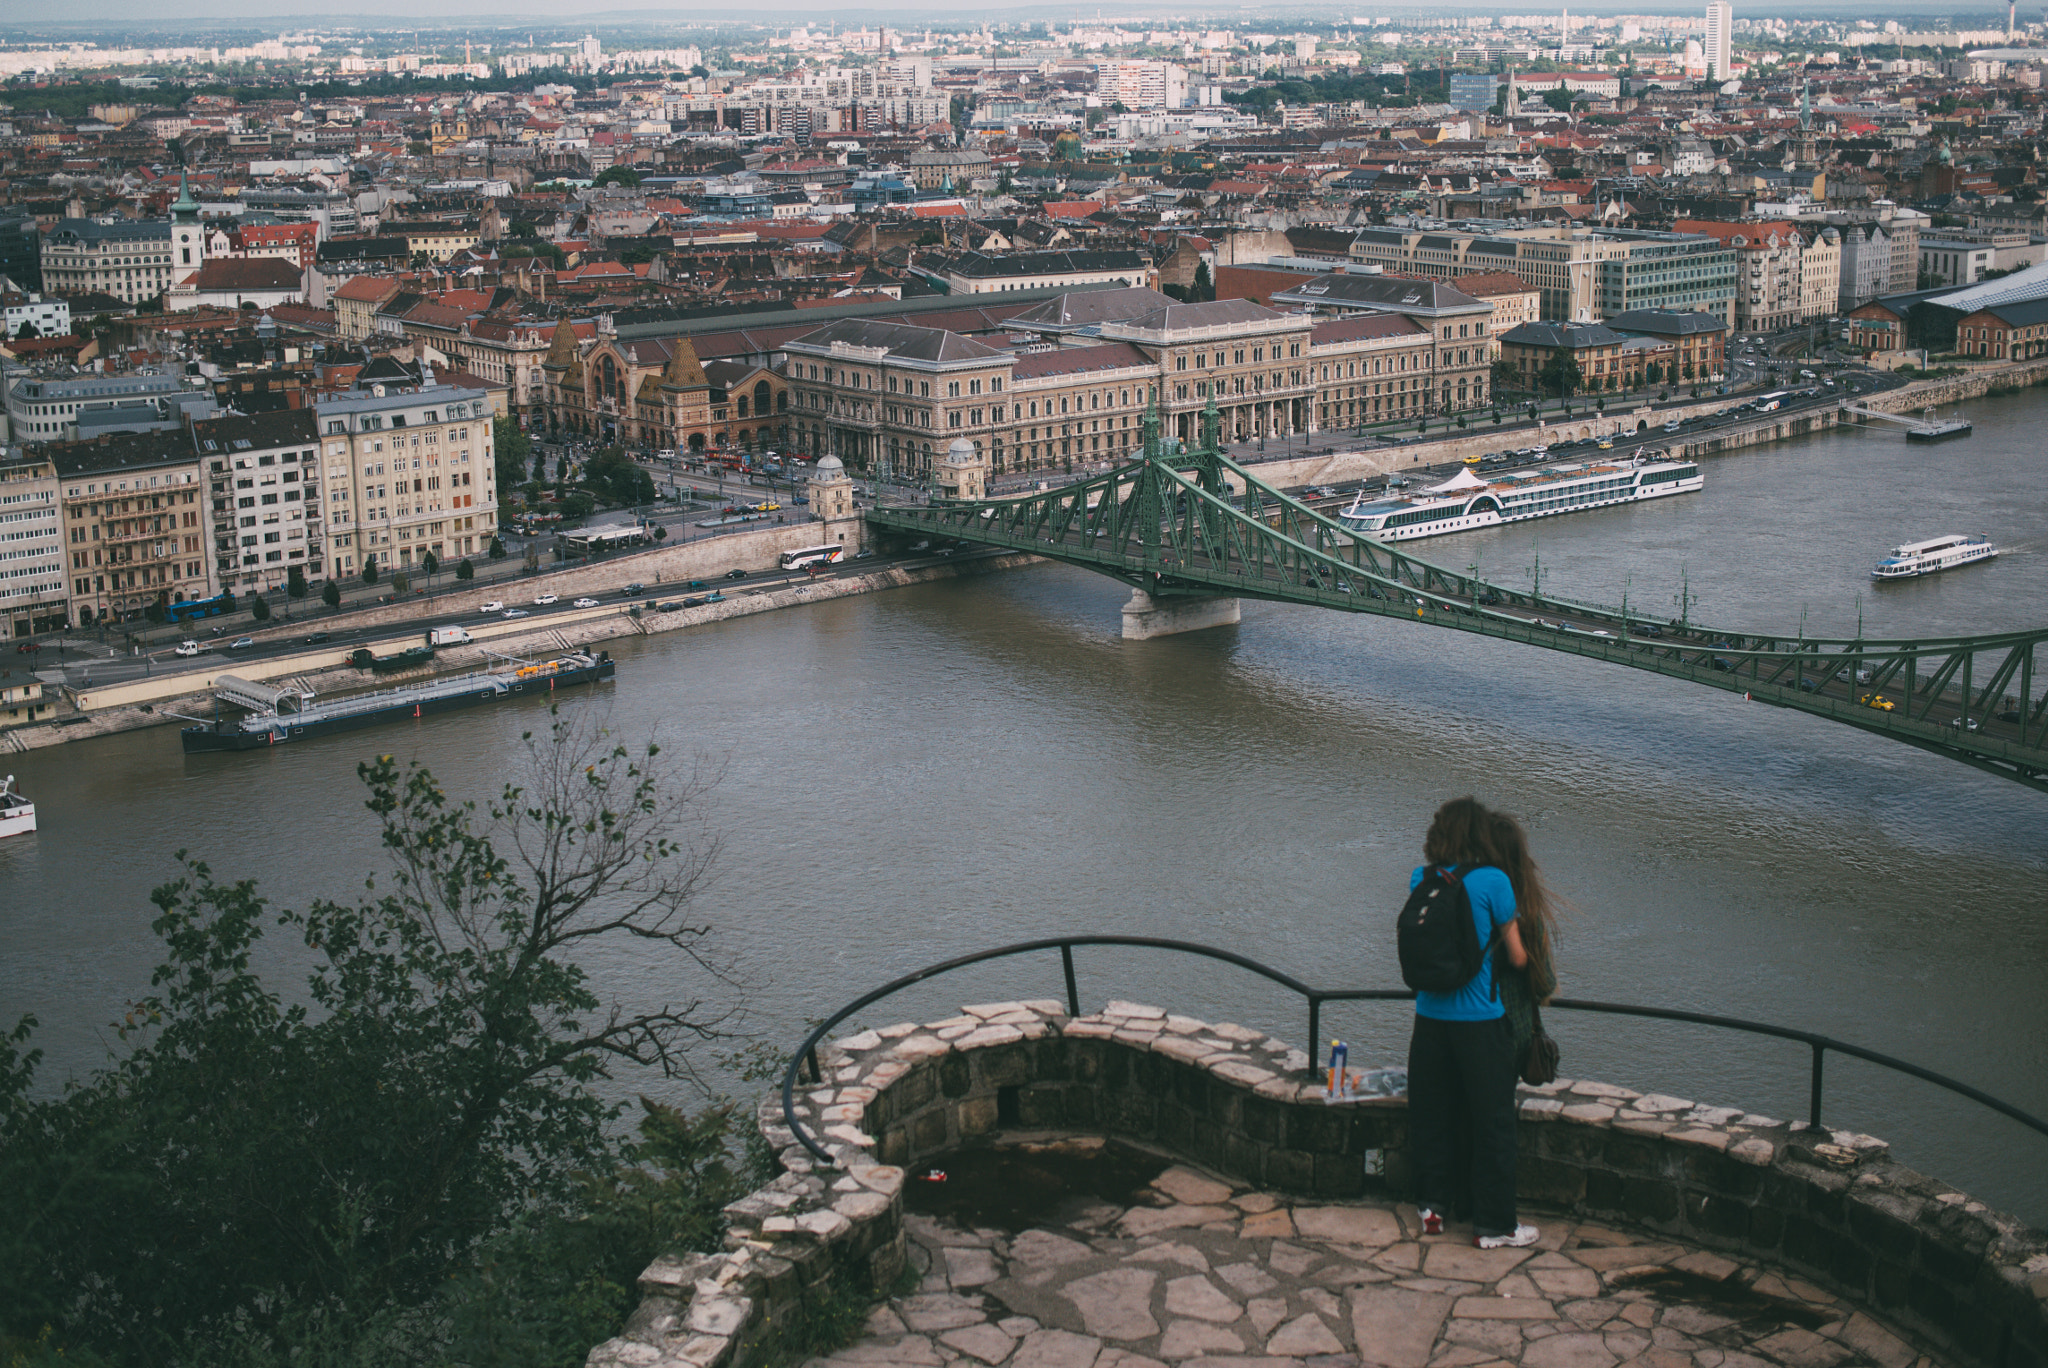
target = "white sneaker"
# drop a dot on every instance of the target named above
(1524, 1236)
(1432, 1224)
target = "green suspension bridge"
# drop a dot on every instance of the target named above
(1168, 525)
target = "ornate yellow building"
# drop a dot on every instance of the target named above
(655, 393)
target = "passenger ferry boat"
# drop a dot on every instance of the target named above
(277, 715)
(1466, 501)
(1934, 554)
(17, 814)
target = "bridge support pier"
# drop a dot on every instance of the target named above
(1144, 618)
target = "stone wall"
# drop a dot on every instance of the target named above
(1829, 1205)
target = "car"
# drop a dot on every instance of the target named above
(1963, 723)
(714, 597)
(670, 607)
(765, 507)
(1878, 701)
(2009, 715)
(585, 602)
(863, 554)
(494, 606)
(241, 643)
(694, 584)
(316, 638)
(633, 590)
(735, 574)
(1607, 444)
(1808, 684)
(544, 599)
(186, 648)
(514, 613)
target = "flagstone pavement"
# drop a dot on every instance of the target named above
(1201, 1274)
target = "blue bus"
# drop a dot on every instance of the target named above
(199, 608)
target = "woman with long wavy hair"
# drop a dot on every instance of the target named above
(1461, 1062)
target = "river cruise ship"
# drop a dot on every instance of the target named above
(1466, 501)
(1931, 556)
(277, 715)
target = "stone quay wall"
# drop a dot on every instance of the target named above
(1829, 1205)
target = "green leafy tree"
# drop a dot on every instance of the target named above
(1205, 285)
(616, 175)
(614, 474)
(465, 571)
(259, 608)
(512, 449)
(370, 569)
(330, 594)
(411, 1144)
(497, 549)
(295, 582)
(400, 582)
(430, 563)
(540, 467)
(1561, 374)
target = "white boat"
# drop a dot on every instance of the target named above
(1934, 554)
(1466, 502)
(17, 814)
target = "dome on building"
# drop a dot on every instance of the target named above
(829, 467)
(960, 449)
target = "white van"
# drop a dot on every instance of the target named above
(448, 636)
(187, 648)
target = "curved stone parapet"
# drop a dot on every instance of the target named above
(1831, 1206)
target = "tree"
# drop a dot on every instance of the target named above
(616, 175)
(1559, 99)
(27, 330)
(465, 571)
(1506, 376)
(400, 581)
(540, 467)
(295, 582)
(513, 449)
(1561, 374)
(370, 569)
(259, 608)
(661, 534)
(497, 549)
(1205, 285)
(425, 1102)
(330, 594)
(430, 563)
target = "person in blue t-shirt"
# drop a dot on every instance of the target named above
(1461, 1066)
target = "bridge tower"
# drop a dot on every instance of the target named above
(831, 493)
(1147, 615)
(963, 475)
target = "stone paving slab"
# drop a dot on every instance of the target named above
(1204, 1273)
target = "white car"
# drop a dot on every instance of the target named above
(514, 612)
(586, 602)
(547, 598)
(494, 606)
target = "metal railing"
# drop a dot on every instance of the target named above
(807, 1053)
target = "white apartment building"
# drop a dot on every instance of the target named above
(1142, 85)
(1720, 44)
(32, 588)
(405, 472)
(49, 317)
(263, 481)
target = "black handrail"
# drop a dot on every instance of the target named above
(807, 1053)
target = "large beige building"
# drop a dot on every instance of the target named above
(871, 391)
(405, 472)
(136, 523)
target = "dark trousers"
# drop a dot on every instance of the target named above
(1461, 1120)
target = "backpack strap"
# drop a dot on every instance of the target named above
(1452, 873)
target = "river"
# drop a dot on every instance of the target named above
(926, 772)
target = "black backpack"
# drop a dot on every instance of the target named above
(1438, 944)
